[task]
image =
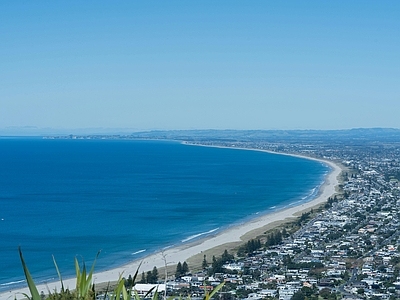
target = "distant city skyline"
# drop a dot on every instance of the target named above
(180, 65)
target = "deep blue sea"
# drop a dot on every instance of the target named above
(72, 198)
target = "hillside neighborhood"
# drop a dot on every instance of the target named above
(348, 249)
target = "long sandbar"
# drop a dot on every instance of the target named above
(233, 235)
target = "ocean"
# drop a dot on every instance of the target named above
(130, 198)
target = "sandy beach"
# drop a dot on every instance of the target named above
(187, 252)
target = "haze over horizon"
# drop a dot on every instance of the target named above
(175, 65)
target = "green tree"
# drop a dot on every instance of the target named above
(307, 291)
(274, 238)
(298, 296)
(249, 247)
(185, 268)
(143, 280)
(204, 264)
(149, 277)
(129, 282)
(332, 296)
(154, 275)
(325, 293)
(216, 266)
(226, 256)
(178, 272)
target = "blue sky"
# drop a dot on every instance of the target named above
(200, 64)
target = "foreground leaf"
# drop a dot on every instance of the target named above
(59, 275)
(31, 284)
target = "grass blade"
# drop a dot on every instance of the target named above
(82, 283)
(216, 290)
(155, 296)
(78, 272)
(149, 292)
(136, 273)
(90, 275)
(136, 295)
(59, 274)
(31, 284)
(118, 289)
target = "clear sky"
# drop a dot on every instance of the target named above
(200, 64)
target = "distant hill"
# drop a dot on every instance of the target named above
(358, 134)
(347, 136)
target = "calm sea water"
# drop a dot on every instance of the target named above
(72, 198)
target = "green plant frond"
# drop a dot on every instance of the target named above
(77, 271)
(136, 295)
(94, 262)
(150, 291)
(107, 289)
(82, 282)
(25, 295)
(84, 285)
(125, 294)
(120, 278)
(31, 284)
(208, 296)
(118, 289)
(136, 273)
(59, 274)
(83, 274)
(88, 279)
(155, 296)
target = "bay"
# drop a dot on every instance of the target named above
(129, 198)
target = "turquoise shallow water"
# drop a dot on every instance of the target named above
(72, 198)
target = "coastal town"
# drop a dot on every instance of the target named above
(347, 249)
(200, 150)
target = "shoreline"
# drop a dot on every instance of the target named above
(230, 237)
